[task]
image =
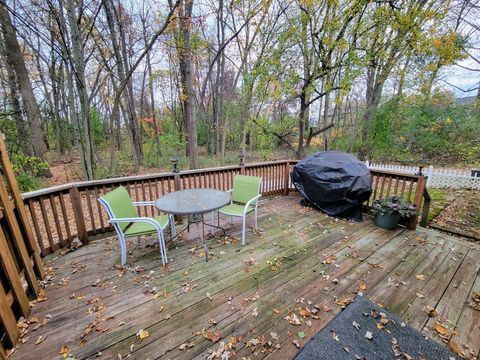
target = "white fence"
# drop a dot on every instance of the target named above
(436, 177)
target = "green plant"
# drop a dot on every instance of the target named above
(394, 205)
(28, 170)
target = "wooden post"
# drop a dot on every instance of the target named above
(10, 270)
(31, 243)
(426, 208)
(78, 213)
(176, 181)
(7, 319)
(286, 178)
(417, 200)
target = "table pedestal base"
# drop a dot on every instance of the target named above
(202, 220)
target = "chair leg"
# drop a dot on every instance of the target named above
(256, 221)
(243, 229)
(163, 251)
(123, 248)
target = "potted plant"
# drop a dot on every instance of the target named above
(389, 211)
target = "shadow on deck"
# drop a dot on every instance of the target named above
(301, 260)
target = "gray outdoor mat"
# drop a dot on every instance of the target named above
(344, 339)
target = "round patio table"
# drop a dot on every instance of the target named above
(194, 202)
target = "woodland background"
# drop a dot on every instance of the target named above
(96, 89)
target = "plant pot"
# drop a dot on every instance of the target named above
(387, 221)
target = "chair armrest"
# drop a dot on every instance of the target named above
(249, 202)
(141, 203)
(138, 219)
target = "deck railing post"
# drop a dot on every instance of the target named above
(176, 181)
(78, 213)
(286, 178)
(417, 200)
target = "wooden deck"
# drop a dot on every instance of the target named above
(300, 261)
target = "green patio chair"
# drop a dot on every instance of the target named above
(245, 195)
(123, 215)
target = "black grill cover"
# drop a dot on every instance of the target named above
(335, 182)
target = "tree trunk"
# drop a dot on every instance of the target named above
(152, 106)
(15, 106)
(187, 95)
(30, 107)
(373, 97)
(129, 97)
(79, 69)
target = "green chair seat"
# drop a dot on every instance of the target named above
(142, 228)
(123, 216)
(235, 209)
(245, 195)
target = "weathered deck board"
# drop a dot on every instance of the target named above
(250, 301)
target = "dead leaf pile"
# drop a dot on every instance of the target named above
(259, 344)
(293, 319)
(474, 301)
(210, 335)
(275, 264)
(329, 260)
(343, 303)
(187, 345)
(248, 264)
(225, 350)
(397, 353)
(32, 324)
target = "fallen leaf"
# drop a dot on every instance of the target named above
(356, 325)
(186, 346)
(455, 347)
(142, 334)
(431, 311)
(40, 339)
(442, 330)
(41, 296)
(296, 343)
(369, 335)
(420, 277)
(335, 336)
(64, 350)
(301, 334)
(212, 336)
(274, 335)
(293, 319)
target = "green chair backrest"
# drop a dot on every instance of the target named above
(245, 188)
(120, 205)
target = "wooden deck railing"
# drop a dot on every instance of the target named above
(20, 263)
(61, 213)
